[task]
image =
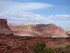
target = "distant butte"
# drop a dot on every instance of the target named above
(4, 28)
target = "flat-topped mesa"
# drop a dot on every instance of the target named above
(4, 28)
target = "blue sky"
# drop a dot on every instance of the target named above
(36, 11)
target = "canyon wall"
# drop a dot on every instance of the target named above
(4, 28)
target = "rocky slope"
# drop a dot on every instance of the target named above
(49, 30)
(18, 44)
(45, 30)
(4, 28)
(67, 32)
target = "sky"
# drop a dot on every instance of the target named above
(36, 11)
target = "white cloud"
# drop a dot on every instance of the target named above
(28, 6)
(6, 2)
(10, 6)
(59, 17)
(24, 16)
(60, 20)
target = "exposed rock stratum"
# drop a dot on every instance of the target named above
(4, 28)
(45, 30)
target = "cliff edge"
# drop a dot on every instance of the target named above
(4, 28)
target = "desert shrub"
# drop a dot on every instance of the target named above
(59, 50)
(48, 50)
(39, 47)
(68, 46)
(7, 52)
(14, 41)
(58, 43)
(8, 47)
(1, 43)
(62, 50)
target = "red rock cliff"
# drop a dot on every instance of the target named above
(4, 28)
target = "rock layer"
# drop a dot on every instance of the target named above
(4, 28)
(49, 30)
(45, 30)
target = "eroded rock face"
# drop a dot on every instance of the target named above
(4, 28)
(47, 30)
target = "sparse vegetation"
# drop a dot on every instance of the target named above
(8, 47)
(34, 45)
(48, 50)
(59, 50)
(7, 52)
(59, 43)
(40, 47)
(68, 46)
(1, 43)
(14, 41)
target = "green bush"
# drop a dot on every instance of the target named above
(39, 47)
(1, 44)
(8, 47)
(48, 50)
(59, 50)
(68, 46)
